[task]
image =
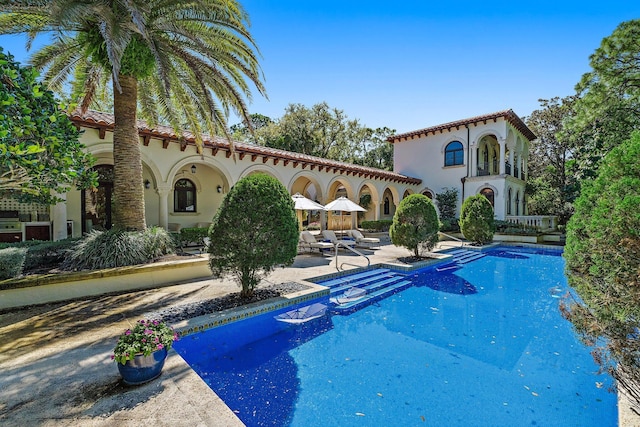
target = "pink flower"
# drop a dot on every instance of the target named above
(144, 340)
(127, 332)
(113, 356)
(148, 332)
(160, 346)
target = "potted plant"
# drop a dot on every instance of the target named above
(141, 351)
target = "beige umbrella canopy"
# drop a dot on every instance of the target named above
(343, 204)
(304, 204)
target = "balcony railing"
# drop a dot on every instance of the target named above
(543, 223)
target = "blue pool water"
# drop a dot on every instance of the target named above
(483, 345)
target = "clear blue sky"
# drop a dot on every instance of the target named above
(412, 64)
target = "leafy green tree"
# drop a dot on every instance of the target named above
(39, 150)
(608, 108)
(415, 224)
(182, 62)
(326, 132)
(476, 220)
(447, 203)
(244, 133)
(551, 165)
(603, 264)
(376, 151)
(254, 230)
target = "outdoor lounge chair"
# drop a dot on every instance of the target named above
(308, 242)
(330, 235)
(366, 242)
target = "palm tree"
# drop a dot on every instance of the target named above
(183, 62)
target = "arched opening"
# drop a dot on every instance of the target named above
(97, 203)
(488, 193)
(517, 203)
(184, 196)
(509, 202)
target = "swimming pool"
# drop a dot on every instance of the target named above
(483, 345)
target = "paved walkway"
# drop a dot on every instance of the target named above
(56, 370)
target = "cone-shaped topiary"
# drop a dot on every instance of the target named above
(254, 230)
(476, 220)
(415, 224)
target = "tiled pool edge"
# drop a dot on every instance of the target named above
(221, 318)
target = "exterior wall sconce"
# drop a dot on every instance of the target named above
(147, 184)
(219, 188)
(193, 169)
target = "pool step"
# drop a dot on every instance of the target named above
(462, 256)
(378, 284)
(354, 278)
(371, 298)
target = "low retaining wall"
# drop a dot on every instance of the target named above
(48, 288)
(517, 238)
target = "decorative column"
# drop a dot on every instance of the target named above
(511, 159)
(59, 218)
(473, 149)
(163, 194)
(501, 165)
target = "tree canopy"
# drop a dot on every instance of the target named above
(608, 108)
(39, 150)
(603, 263)
(551, 165)
(187, 63)
(321, 131)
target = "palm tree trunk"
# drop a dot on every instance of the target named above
(127, 163)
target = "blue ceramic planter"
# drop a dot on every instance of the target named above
(143, 368)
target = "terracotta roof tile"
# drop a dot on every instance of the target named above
(105, 121)
(508, 115)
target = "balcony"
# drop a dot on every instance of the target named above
(542, 222)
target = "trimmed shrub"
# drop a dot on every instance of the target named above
(254, 230)
(191, 236)
(415, 224)
(603, 264)
(379, 225)
(11, 262)
(476, 220)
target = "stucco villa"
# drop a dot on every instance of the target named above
(480, 155)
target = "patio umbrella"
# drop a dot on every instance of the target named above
(343, 204)
(304, 204)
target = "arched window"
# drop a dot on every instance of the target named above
(428, 194)
(518, 203)
(509, 202)
(184, 196)
(386, 206)
(488, 193)
(454, 154)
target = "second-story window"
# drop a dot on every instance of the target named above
(454, 154)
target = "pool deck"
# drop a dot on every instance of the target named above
(56, 370)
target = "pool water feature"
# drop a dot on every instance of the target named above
(432, 354)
